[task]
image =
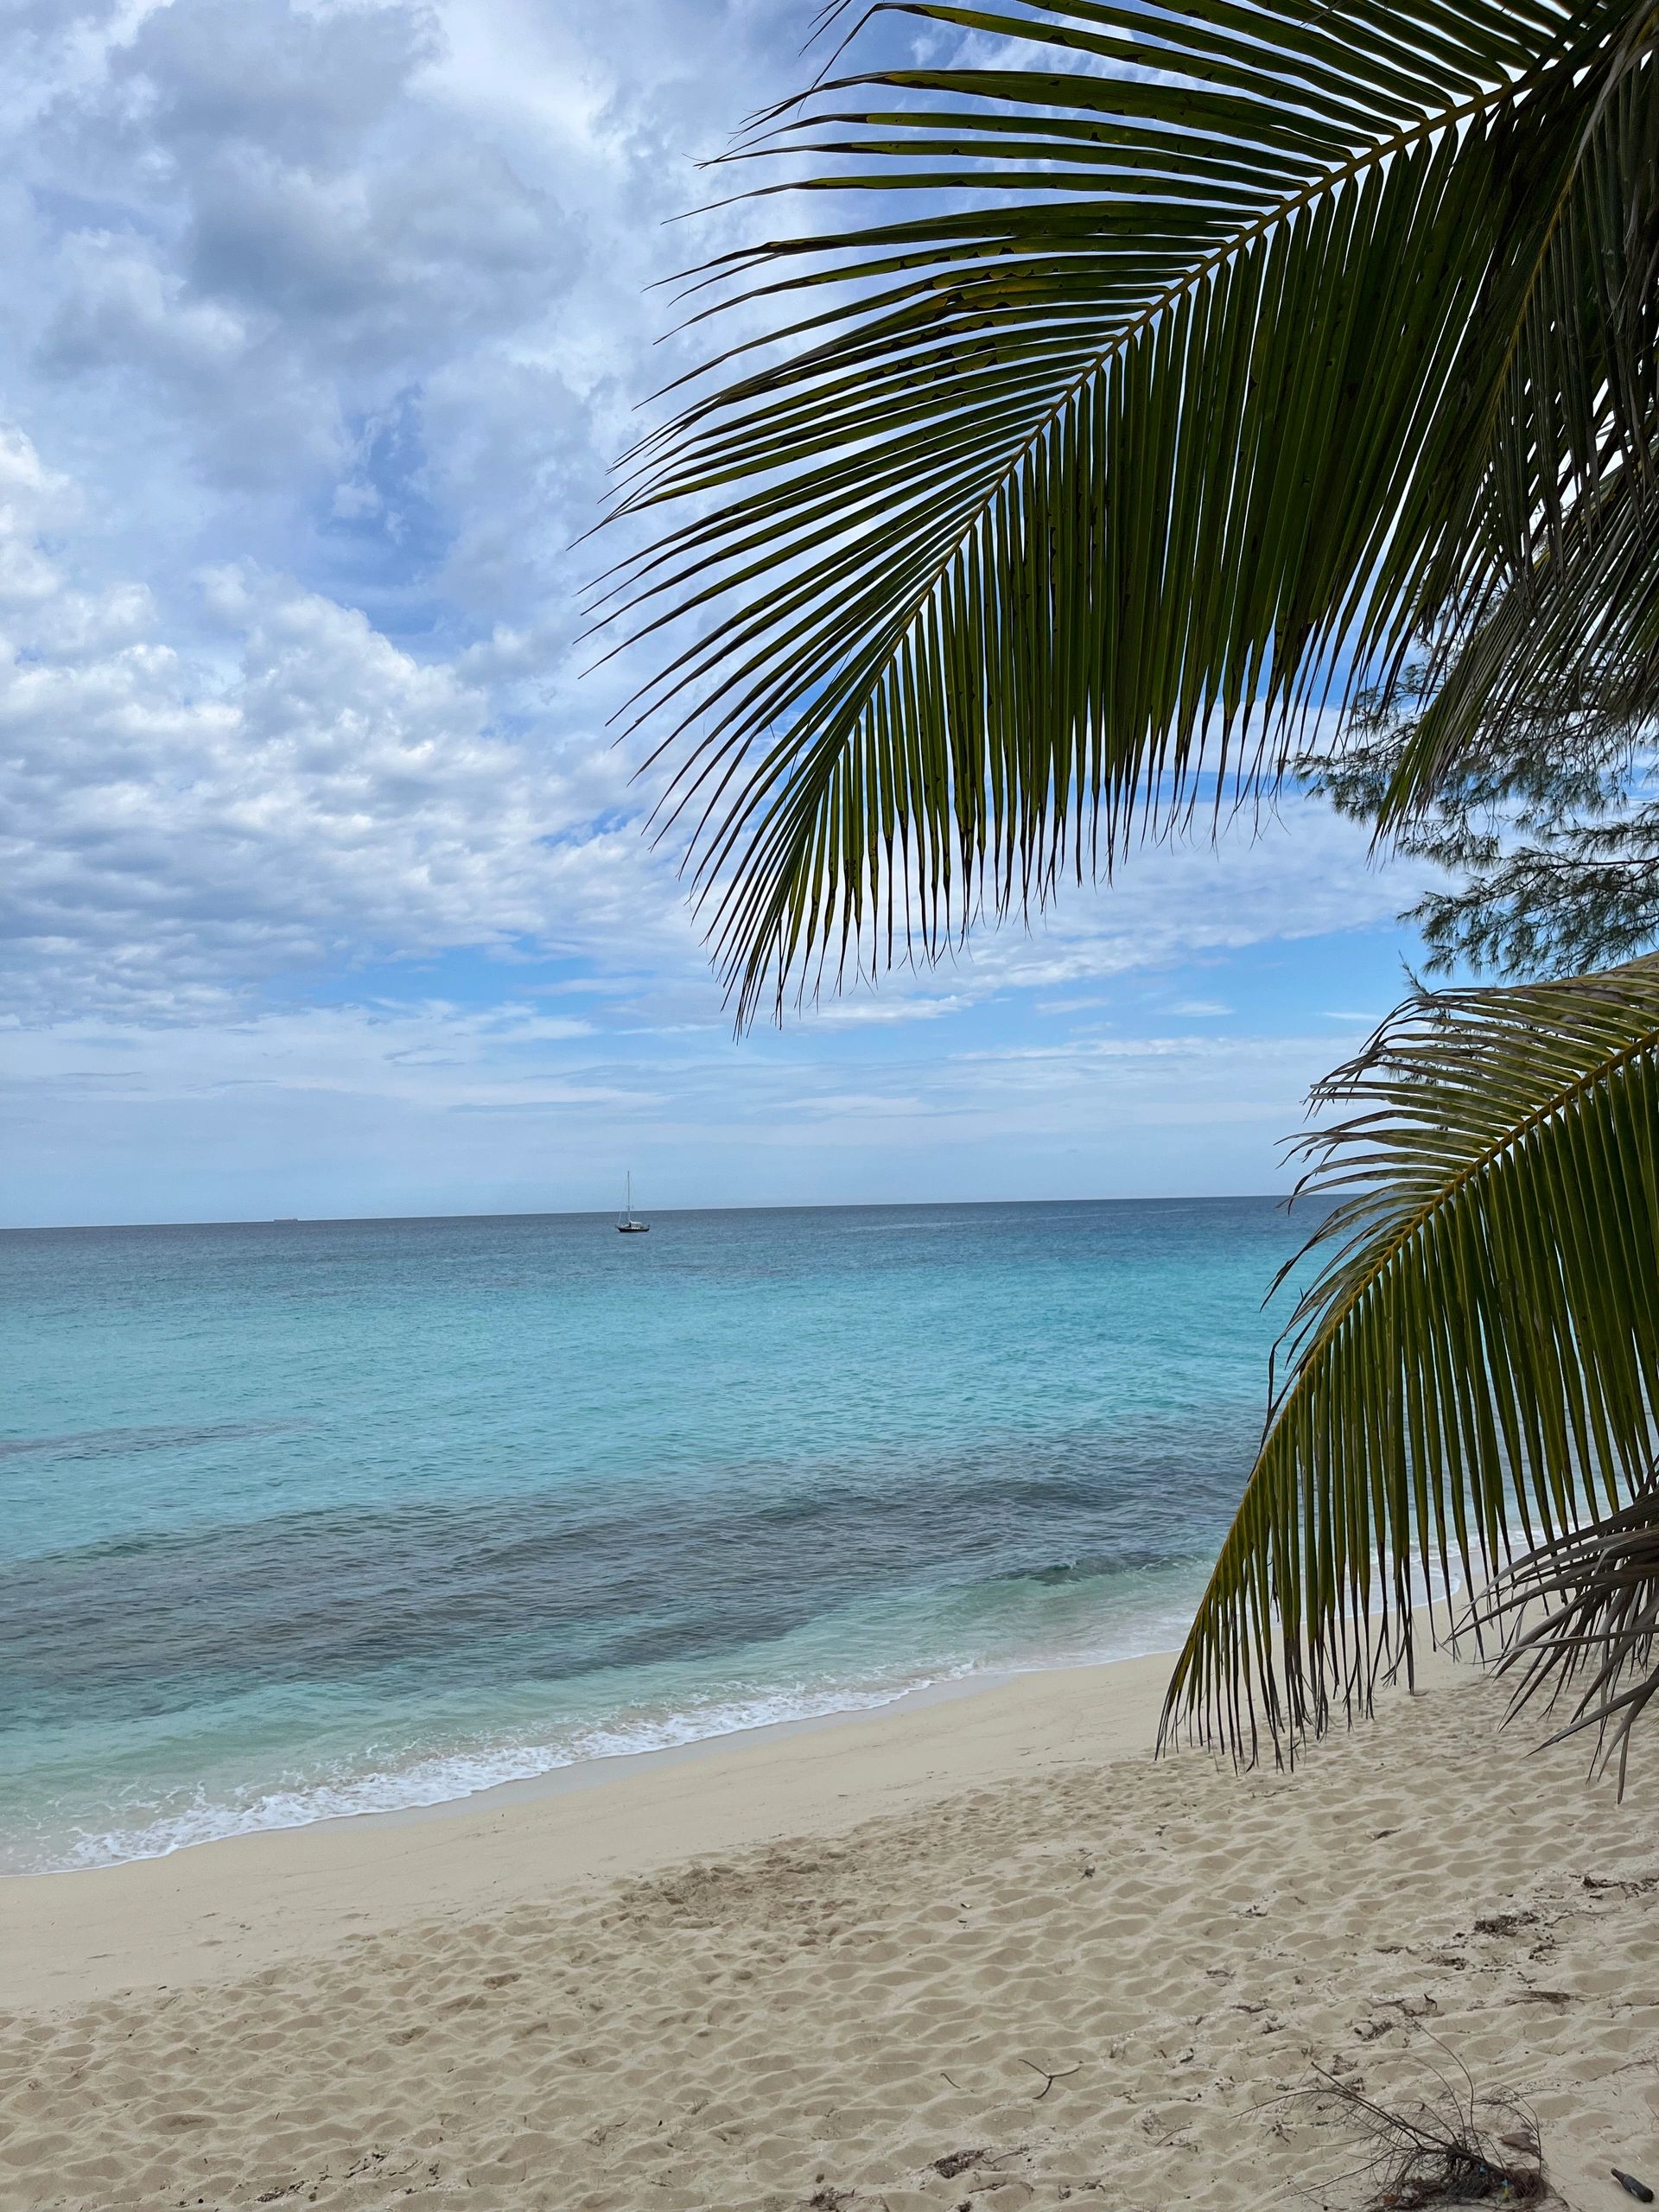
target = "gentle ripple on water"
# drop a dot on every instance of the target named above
(303, 1519)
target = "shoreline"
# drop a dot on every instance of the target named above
(579, 1771)
(983, 1950)
(600, 1769)
(208, 1910)
(587, 1768)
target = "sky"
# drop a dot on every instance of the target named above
(323, 883)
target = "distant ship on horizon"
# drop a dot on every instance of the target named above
(626, 1225)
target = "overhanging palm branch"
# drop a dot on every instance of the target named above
(1478, 1359)
(1196, 354)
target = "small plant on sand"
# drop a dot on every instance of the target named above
(1457, 2146)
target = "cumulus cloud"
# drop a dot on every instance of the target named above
(269, 225)
(255, 229)
(330, 315)
(175, 826)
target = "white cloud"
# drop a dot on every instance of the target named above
(173, 826)
(898, 1006)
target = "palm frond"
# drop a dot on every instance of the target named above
(1477, 1357)
(1197, 350)
(1560, 594)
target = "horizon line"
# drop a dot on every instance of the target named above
(604, 1213)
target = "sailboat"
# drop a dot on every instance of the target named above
(627, 1226)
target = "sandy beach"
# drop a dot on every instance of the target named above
(982, 1952)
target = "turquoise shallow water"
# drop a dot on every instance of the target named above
(299, 1520)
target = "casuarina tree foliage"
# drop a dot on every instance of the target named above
(1547, 828)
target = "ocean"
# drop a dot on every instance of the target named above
(305, 1519)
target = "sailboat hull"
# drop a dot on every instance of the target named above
(633, 1229)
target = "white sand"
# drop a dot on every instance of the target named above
(805, 1971)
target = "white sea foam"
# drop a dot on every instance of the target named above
(448, 1777)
